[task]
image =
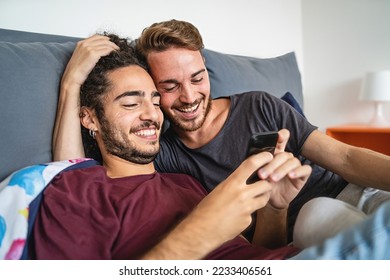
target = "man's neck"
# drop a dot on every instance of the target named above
(211, 127)
(118, 168)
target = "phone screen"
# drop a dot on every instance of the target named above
(261, 142)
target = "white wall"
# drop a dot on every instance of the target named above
(260, 28)
(343, 39)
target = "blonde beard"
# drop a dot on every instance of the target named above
(191, 125)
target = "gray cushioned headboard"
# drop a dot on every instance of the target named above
(231, 74)
(16, 36)
(31, 66)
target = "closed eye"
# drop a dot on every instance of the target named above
(156, 97)
(156, 102)
(169, 89)
(197, 80)
(130, 106)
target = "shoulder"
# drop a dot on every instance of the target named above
(178, 177)
(255, 97)
(184, 180)
(82, 173)
(257, 102)
(76, 180)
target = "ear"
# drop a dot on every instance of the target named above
(88, 119)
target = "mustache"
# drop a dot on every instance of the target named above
(147, 124)
(183, 105)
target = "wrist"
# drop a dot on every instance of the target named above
(271, 227)
(269, 209)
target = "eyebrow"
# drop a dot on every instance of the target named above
(176, 81)
(136, 93)
(197, 73)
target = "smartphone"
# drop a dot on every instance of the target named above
(261, 142)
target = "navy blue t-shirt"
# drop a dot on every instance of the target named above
(250, 113)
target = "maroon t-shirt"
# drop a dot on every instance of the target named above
(86, 215)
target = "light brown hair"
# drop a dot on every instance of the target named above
(163, 35)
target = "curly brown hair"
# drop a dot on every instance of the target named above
(96, 85)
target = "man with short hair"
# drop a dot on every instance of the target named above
(208, 137)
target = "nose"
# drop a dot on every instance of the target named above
(187, 94)
(150, 111)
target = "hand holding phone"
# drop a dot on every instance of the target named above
(258, 143)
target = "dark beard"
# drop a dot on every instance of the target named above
(178, 124)
(116, 143)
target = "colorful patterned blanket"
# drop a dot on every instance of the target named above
(17, 191)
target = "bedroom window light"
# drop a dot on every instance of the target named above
(376, 88)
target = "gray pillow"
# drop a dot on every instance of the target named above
(30, 74)
(231, 74)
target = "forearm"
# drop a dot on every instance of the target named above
(356, 165)
(271, 227)
(67, 141)
(367, 168)
(189, 240)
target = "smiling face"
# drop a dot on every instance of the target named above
(130, 126)
(181, 77)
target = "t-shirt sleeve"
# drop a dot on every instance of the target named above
(282, 115)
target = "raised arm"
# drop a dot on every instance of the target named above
(67, 141)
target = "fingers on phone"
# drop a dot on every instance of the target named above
(279, 167)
